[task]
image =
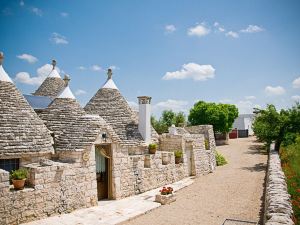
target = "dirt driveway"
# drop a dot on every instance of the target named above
(233, 191)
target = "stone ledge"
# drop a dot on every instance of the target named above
(278, 207)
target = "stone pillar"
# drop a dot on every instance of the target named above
(145, 118)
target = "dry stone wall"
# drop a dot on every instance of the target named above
(53, 188)
(278, 208)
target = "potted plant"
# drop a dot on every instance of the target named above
(178, 156)
(18, 178)
(152, 148)
(166, 196)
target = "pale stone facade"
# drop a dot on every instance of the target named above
(89, 157)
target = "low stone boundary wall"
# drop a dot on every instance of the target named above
(278, 208)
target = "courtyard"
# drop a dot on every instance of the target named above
(233, 191)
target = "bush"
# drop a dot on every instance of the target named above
(178, 154)
(220, 159)
(152, 146)
(290, 161)
(19, 174)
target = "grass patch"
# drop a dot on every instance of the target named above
(290, 161)
(221, 161)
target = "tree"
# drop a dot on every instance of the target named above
(166, 120)
(280, 127)
(221, 116)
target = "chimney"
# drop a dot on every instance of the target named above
(144, 118)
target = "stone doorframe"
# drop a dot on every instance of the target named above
(109, 155)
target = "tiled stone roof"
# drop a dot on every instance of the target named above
(109, 103)
(21, 130)
(60, 114)
(83, 133)
(114, 109)
(63, 111)
(52, 85)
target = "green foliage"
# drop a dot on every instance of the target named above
(166, 120)
(206, 144)
(290, 160)
(152, 146)
(178, 154)
(19, 174)
(220, 159)
(271, 125)
(221, 116)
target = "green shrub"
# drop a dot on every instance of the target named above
(152, 146)
(178, 154)
(206, 144)
(220, 159)
(290, 161)
(19, 174)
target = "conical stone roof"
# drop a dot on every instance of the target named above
(109, 103)
(52, 85)
(21, 130)
(63, 111)
(83, 133)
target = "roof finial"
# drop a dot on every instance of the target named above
(1, 58)
(109, 73)
(53, 63)
(67, 80)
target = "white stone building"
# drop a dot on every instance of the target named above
(85, 155)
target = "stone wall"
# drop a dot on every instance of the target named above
(207, 131)
(53, 188)
(278, 208)
(169, 142)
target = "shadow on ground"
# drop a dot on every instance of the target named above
(257, 149)
(256, 168)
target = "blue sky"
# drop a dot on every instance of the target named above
(240, 52)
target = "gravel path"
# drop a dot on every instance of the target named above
(233, 191)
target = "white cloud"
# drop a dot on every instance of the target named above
(221, 29)
(58, 38)
(216, 24)
(246, 107)
(296, 97)
(81, 68)
(252, 29)
(250, 97)
(64, 14)
(170, 104)
(22, 3)
(133, 105)
(170, 28)
(80, 92)
(37, 11)
(296, 83)
(96, 68)
(42, 73)
(232, 34)
(28, 58)
(274, 91)
(225, 100)
(199, 30)
(113, 67)
(192, 70)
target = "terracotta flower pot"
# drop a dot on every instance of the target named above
(178, 160)
(152, 150)
(19, 184)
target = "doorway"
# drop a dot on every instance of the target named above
(103, 171)
(189, 161)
